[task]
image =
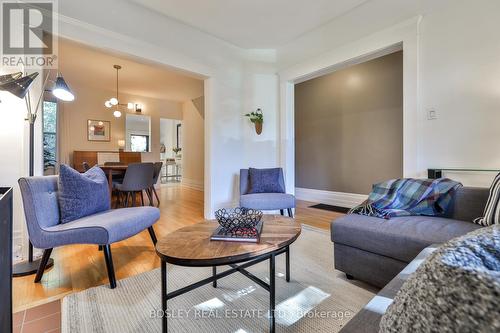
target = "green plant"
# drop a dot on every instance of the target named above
(256, 117)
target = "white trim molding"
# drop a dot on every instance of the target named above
(192, 183)
(342, 199)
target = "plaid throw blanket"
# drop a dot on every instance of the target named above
(404, 197)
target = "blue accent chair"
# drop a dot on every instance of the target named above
(265, 201)
(41, 208)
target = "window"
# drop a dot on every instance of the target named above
(49, 137)
(139, 143)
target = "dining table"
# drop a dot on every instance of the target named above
(111, 170)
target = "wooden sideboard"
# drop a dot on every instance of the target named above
(91, 157)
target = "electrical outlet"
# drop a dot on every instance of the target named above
(431, 114)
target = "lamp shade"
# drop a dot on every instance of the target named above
(62, 91)
(10, 77)
(19, 87)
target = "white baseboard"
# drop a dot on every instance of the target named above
(341, 199)
(191, 183)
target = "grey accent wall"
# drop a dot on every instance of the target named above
(349, 127)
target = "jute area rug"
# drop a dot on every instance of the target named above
(317, 299)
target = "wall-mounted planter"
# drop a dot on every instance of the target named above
(257, 118)
(258, 128)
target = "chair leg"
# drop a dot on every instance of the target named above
(134, 197)
(152, 234)
(290, 212)
(156, 195)
(100, 248)
(43, 263)
(109, 265)
(117, 202)
(282, 212)
(142, 198)
(127, 194)
(150, 197)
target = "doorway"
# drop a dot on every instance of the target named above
(171, 150)
(349, 127)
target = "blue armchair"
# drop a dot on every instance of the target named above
(265, 201)
(41, 208)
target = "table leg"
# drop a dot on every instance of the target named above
(214, 273)
(110, 184)
(272, 288)
(164, 296)
(287, 254)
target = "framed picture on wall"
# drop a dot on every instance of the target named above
(98, 130)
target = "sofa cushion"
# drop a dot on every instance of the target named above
(102, 228)
(82, 194)
(491, 213)
(400, 238)
(267, 201)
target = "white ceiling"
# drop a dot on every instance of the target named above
(253, 23)
(92, 67)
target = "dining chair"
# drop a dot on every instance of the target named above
(157, 170)
(138, 178)
(265, 201)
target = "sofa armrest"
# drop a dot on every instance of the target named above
(468, 203)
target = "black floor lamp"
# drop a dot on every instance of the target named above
(19, 86)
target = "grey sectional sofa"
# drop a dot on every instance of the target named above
(375, 250)
(368, 319)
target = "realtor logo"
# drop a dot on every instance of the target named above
(28, 33)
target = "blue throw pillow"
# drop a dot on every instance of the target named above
(265, 181)
(82, 194)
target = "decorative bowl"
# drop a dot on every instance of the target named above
(238, 217)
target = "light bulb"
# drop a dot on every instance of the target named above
(130, 106)
(108, 104)
(113, 101)
(62, 91)
(63, 95)
(101, 123)
(92, 128)
(117, 114)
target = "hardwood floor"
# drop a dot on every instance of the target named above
(78, 267)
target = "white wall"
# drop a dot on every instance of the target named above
(193, 155)
(229, 74)
(460, 78)
(88, 105)
(457, 72)
(15, 153)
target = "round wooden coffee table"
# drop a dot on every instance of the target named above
(191, 246)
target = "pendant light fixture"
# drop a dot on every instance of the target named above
(10, 77)
(115, 101)
(61, 90)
